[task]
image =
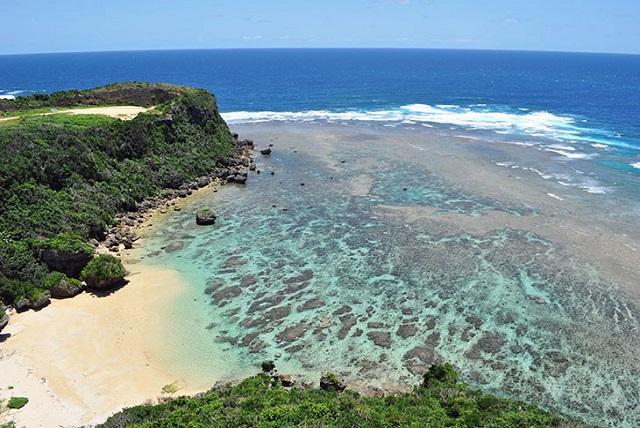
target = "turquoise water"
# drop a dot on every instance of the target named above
(307, 268)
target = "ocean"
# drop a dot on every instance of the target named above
(582, 106)
(476, 207)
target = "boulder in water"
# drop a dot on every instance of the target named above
(205, 217)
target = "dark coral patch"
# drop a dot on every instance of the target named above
(380, 338)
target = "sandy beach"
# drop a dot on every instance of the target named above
(80, 360)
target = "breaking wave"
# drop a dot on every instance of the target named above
(501, 120)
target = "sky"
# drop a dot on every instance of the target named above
(42, 26)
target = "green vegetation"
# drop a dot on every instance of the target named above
(267, 366)
(261, 401)
(64, 177)
(439, 374)
(17, 402)
(69, 243)
(102, 270)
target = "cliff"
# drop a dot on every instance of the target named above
(65, 176)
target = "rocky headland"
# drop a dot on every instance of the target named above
(84, 182)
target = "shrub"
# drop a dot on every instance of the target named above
(267, 366)
(103, 270)
(69, 243)
(54, 279)
(440, 373)
(17, 402)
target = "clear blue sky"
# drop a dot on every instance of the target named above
(30, 26)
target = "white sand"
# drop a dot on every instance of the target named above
(119, 112)
(81, 359)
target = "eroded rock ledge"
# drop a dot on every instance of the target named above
(235, 170)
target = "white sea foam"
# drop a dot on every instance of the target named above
(596, 190)
(7, 97)
(542, 123)
(636, 165)
(522, 122)
(572, 155)
(561, 147)
(555, 196)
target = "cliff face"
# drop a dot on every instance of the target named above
(70, 174)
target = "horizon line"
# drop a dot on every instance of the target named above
(319, 48)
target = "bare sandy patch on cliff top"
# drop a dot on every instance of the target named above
(118, 112)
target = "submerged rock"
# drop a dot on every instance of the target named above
(265, 152)
(380, 338)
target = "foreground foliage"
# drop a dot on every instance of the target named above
(63, 177)
(261, 401)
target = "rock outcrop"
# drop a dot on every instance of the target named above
(205, 217)
(67, 288)
(69, 263)
(104, 271)
(329, 382)
(287, 380)
(4, 319)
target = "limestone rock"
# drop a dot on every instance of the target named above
(67, 288)
(4, 320)
(329, 382)
(69, 263)
(40, 301)
(104, 271)
(22, 304)
(287, 380)
(205, 217)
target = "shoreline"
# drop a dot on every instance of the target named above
(101, 352)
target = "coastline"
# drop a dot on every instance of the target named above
(105, 350)
(101, 352)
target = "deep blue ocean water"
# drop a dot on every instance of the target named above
(265, 284)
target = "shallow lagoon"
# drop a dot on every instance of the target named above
(374, 252)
